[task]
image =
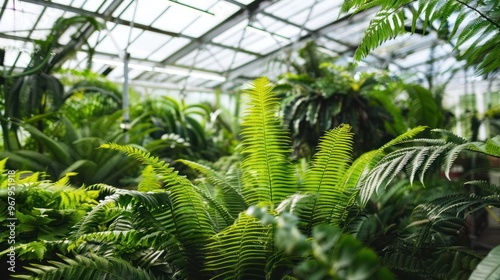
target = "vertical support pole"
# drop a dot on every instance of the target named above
(125, 99)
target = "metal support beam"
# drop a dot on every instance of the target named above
(77, 43)
(219, 29)
(107, 17)
(235, 73)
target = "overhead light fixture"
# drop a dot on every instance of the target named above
(193, 73)
(267, 33)
(191, 8)
(169, 70)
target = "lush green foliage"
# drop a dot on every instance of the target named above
(472, 26)
(194, 239)
(322, 95)
(489, 268)
(89, 96)
(36, 91)
(190, 131)
(261, 221)
(45, 211)
(72, 147)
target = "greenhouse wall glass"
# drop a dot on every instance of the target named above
(250, 139)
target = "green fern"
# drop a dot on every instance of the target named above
(365, 176)
(232, 196)
(192, 224)
(325, 176)
(91, 267)
(476, 41)
(418, 158)
(268, 176)
(241, 250)
(149, 180)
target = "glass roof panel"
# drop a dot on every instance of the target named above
(194, 58)
(241, 58)
(24, 57)
(232, 36)
(169, 48)
(174, 20)
(276, 26)
(147, 11)
(93, 6)
(123, 6)
(204, 23)
(78, 3)
(64, 2)
(19, 17)
(48, 18)
(119, 36)
(257, 43)
(223, 59)
(203, 5)
(332, 46)
(286, 9)
(201, 25)
(146, 44)
(323, 14)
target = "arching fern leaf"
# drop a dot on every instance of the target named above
(192, 224)
(474, 30)
(92, 267)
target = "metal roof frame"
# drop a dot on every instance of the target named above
(205, 42)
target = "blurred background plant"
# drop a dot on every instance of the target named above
(197, 131)
(320, 95)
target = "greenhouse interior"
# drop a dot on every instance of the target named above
(240, 139)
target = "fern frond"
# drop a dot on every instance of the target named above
(232, 196)
(92, 267)
(149, 180)
(476, 40)
(241, 250)
(417, 159)
(323, 179)
(217, 210)
(193, 225)
(268, 176)
(385, 26)
(369, 177)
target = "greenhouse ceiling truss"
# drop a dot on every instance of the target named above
(203, 45)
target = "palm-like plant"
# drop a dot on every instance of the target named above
(36, 91)
(71, 147)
